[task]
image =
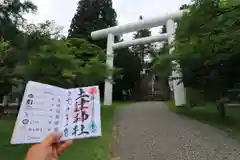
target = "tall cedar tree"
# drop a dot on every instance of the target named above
(92, 15)
(145, 49)
(129, 75)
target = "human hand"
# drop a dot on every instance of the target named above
(49, 148)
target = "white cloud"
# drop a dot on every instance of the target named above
(128, 11)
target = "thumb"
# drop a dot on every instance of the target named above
(52, 138)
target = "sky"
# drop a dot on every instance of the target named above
(62, 11)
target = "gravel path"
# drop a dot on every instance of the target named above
(149, 131)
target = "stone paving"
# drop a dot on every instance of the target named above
(149, 131)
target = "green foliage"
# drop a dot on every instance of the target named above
(91, 62)
(37, 52)
(7, 67)
(34, 36)
(131, 62)
(161, 61)
(143, 50)
(229, 3)
(207, 113)
(91, 16)
(129, 74)
(207, 48)
(63, 63)
(49, 63)
(11, 18)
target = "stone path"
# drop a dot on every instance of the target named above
(149, 131)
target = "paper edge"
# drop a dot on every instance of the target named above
(76, 138)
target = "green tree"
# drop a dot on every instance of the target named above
(92, 15)
(207, 48)
(129, 74)
(35, 36)
(142, 50)
(64, 64)
(161, 50)
(185, 6)
(91, 67)
(11, 18)
(37, 52)
(229, 3)
(8, 60)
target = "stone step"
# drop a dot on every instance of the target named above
(235, 97)
(237, 85)
(10, 111)
(232, 105)
(234, 90)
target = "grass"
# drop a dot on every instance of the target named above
(209, 114)
(87, 149)
(8, 151)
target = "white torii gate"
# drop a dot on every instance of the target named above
(110, 33)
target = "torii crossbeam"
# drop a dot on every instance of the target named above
(168, 19)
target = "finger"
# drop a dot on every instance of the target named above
(64, 146)
(54, 150)
(51, 139)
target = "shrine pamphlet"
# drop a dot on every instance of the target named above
(46, 109)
